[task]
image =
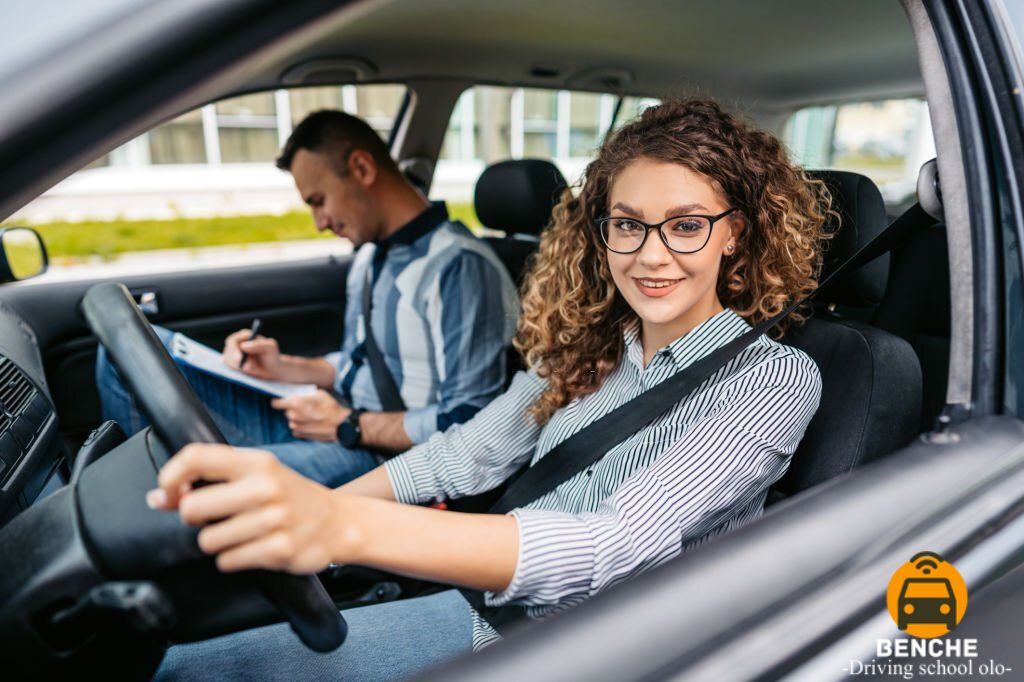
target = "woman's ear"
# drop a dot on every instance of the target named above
(362, 167)
(737, 223)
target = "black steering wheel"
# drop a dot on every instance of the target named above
(179, 418)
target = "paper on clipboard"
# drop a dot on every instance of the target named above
(194, 354)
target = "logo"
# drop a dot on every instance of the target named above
(927, 596)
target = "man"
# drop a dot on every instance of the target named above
(442, 311)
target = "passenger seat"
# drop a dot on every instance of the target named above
(517, 197)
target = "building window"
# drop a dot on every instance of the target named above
(589, 118)
(376, 104)
(540, 124)
(247, 128)
(178, 141)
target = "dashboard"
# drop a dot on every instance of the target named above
(30, 447)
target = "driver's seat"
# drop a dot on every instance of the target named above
(871, 379)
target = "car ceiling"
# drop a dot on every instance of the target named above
(768, 55)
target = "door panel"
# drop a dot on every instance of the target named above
(301, 304)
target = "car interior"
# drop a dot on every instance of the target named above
(881, 335)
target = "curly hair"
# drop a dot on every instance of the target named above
(570, 331)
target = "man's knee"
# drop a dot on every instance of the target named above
(105, 370)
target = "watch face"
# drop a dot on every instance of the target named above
(348, 431)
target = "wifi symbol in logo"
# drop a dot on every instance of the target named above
(927, 596)
(926, 562)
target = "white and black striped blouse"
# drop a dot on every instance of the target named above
(701, 469)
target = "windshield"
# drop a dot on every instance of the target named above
(926, 589)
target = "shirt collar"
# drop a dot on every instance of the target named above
(710, 334)
(431, 217)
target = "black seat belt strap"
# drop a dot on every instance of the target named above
(383, 380)
(590, 443)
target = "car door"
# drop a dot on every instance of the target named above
(301, 304)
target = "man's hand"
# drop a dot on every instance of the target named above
(263, 357)
(261, 514)
(313, 417)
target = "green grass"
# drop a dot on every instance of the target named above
(857, 160)
(72, 241)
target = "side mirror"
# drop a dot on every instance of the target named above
(22, 254)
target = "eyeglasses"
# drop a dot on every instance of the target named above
(682, 234)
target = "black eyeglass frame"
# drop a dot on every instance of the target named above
(712, 219)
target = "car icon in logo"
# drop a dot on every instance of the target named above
(927, 601)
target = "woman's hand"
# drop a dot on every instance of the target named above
(313, 417)
(259, 514)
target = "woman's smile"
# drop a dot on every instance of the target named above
(656, 287)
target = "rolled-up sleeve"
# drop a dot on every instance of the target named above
(722, 465)
(474, 457)
(420, 423)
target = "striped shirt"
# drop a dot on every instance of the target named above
(700, 470)
(444, 311)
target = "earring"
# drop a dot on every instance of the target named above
(730, 248)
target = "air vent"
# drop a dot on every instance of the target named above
(15, 393)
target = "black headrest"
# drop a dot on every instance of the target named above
(861, 218)
(518, 196)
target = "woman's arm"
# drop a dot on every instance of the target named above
(374, 483)
(263, 515)
(473, 457)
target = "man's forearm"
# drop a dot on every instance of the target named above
(299, 370)
(384, 431)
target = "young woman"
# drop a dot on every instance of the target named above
(690, 227)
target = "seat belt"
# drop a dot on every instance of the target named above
(591, 443)
(383, 380)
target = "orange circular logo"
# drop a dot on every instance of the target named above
(927, 597)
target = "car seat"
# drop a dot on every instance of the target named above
(517, 197)
(871, 379)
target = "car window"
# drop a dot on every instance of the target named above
(190, 191)
(491, 124)
(886, 140)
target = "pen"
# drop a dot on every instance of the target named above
(252, 335)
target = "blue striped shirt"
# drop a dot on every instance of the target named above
(444, 309)
(701, 469)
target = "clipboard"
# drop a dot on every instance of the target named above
(191, 353)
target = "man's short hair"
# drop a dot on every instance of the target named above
(336, 135)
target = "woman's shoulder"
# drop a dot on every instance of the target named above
(768, 362)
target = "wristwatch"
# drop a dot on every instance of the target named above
(349, 433)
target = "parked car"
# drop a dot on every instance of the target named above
(918, 443)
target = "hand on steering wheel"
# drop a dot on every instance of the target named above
(179, 419)
(263, 514)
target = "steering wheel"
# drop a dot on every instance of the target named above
(179, 418)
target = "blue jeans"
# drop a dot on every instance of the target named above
(244, 417)
(385, 642)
